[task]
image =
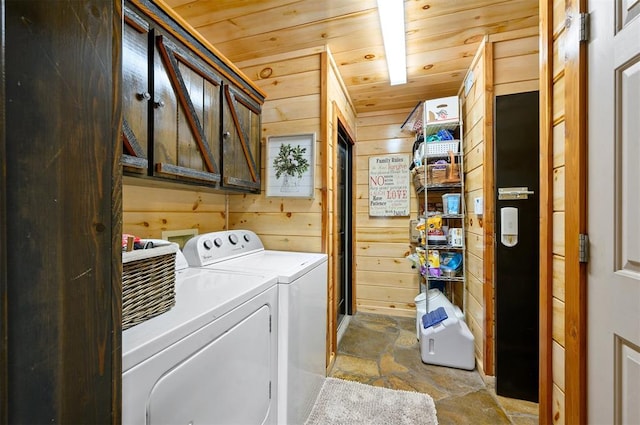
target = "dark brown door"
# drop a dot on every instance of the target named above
(344, 216)
(516, 262)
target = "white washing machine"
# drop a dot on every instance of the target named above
(211, 359)
(302, 310)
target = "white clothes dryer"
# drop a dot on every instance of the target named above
(302, 310)
(211, 359)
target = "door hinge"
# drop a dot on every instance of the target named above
(269, 323)
(269, 390)
(583, 250)
(584, 27)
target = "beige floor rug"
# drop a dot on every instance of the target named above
(350, 403)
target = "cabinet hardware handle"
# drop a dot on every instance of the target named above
(143, 96)
(160, 104)
(226, 135)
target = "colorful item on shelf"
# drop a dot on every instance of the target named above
(455, 237)
(421, 229)
(450, 261)
(435, 234)
(434, 225)
(441, 135)
(418, 155)
(422, 256)
(434, 263)
(445, 135)
(414, 259)
(434, 258)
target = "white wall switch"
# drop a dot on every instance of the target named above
(478, 207)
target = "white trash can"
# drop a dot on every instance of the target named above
(421, 310)
(429, 301)
(448, 343)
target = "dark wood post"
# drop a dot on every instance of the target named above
(60, 211)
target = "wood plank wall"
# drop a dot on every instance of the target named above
(385, 282)
(475, 127)
(558, 220)
(338, 107)
(148, 211)
(515, 61)
(292, 84)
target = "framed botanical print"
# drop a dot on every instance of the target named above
(290, 166)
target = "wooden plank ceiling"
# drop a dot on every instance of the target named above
(442, 38)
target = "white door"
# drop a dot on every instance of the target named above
(613, 315)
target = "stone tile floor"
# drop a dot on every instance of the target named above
(383, 351)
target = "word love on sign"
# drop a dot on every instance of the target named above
(389, 186)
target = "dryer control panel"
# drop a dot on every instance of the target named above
(210, 248)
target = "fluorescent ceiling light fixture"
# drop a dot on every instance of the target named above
(392, 23)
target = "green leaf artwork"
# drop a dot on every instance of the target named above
(290, 161)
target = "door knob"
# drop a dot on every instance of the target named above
(143, 96)
(159, 104)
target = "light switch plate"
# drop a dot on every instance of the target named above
(179, 236)
(478, 208)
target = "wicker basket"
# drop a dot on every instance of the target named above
(418, 177)
(437, 174)
(148, 283)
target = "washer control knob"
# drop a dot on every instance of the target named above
(218, 242)
(207, 244)
(246, 238)
(233, 238)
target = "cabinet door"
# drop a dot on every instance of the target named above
(241, 141)
(186, 115)
(135, 92)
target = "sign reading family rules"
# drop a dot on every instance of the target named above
(389, 186)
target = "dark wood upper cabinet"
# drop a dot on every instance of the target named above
(135, 92)
(186, 117)
(241, 141)
(189, 115)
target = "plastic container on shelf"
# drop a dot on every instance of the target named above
(455, 237)
(450, 263)
(442, 110)
(442, 147)
(451, 203)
